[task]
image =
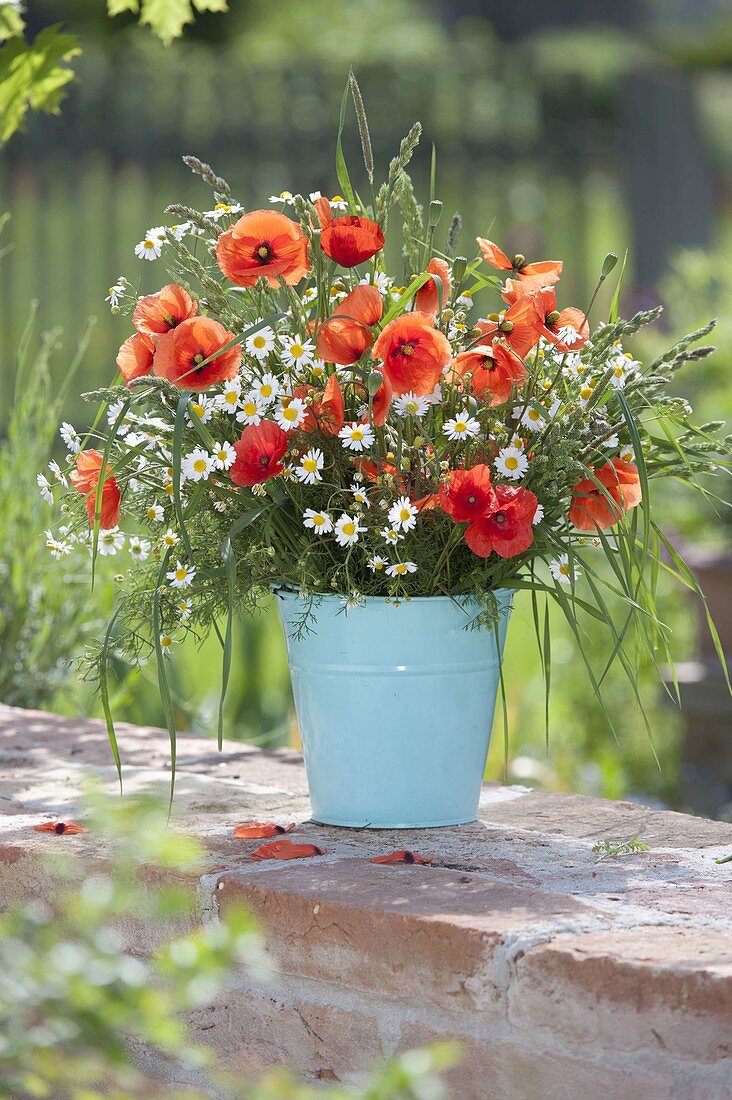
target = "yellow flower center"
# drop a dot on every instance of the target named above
(310, 465)
(181, 574)
(151, 513)
(200, 465)
(230, 397)
(198, 409)
(401, 569)
(222, 206)
(265, 389)
(289, 413)
(349, 529)
(460, 426)
(296, 350)
(169, 540)
(338, 198)
(378, 565)
(511, 462)
(357, 434)
(259, 341)
(404, 514)
(319, 520)
(564, 569)
(250, 408)
(166, 641)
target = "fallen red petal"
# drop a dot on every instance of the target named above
(285, 849)
(402, 856)
(60, 828)
(255, 830)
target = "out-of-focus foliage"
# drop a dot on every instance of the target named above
(76, 999)
(166, 18)
(33, 75)
(45, 609)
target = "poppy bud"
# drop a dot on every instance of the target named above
(553, 317)
(459, 267)
(374, 381)
(518, 261)
(447, 315)
(506, 326)
(435, 213)
(608, 264)
(405, 464)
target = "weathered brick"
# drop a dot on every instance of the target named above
(660, 989)
(419, 932)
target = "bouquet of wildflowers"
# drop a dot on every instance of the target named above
(323, 395)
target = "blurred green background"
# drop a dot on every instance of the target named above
(562, 131)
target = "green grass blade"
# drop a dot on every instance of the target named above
(163, 683)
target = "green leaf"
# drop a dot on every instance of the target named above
(104, 693)
(166, 18)
(615, 302)
(165, 695)
(344, 179)
(118, 7)
(33, 76)
(11, 22)
(211, 5)
(180, 414)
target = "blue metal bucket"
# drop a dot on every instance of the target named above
(395, 705)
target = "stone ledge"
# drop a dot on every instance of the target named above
(561, 976)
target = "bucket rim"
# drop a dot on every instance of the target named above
(284, 593)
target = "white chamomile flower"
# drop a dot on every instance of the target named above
(166, 643)
(379, 279)
(228, 399)
(619, 375)
(356, 437)
(530, 418)
(203, 407)
(178, 232)
(360, 496)
(70, 436)
(151, 245)
(562, 570)
(538, 515)
(317, 368)
(285, 197)
(113, 412)
(182, 576)
(116, 293)
(308, 472)
(627, 454)
(403, 514)
(266, 388)
(347, 529)
(220, 505)
(463, 426)
(185, 607)
(297, 352)
(139, 548)
(56, 471)
(401, 568)
(155, 513)
(110, 541)
(251, 408)
(309, 295)
(196, 466)
(338, 203)
(223, 455)
(354, 599)
(57, 548)
(464, 300)
(611, 442)
(409, 404)
(568, 334)
(391, 535)
(291, 414)
(377, 563)
(170, 539)
(319, 522)
(221, 209)
(261, 342)
(337, 293)
(44, 486)
(586, 391)
(512, 463)
(395, 292)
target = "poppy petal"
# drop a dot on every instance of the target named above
(256, 830)
(285, 849)
(60, 828)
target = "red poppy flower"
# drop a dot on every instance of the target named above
(413, 353)
(181, 352)
(60, 828)
(285, 849)
(159, 313)
(545, 272)
(468, 494)
(555, 320)
(258, 453)
(427, 299)
(135, 357)
(490, 370)
(263, 244)
(85, 479)
(256, 830)
(324, 211)
(346, 335)
(326, 411)
(403, 856)
(508, 530)
(351, 240)
(591, 508)
(381, 402)
(520, 325)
